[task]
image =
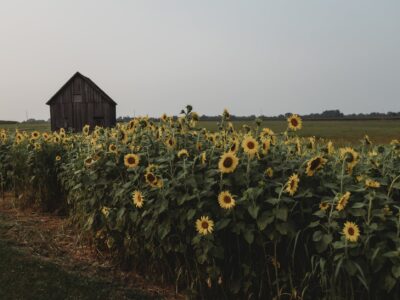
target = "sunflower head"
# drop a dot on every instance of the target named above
(35, 135)
(164, 117)
(351, 231)
(234, 146)
(314, 164)
(228, 162)
(292, 184)
(183, 153)
(343, 201)
(266, 145)
(37, 146)
(225, 200)
(204, 225)
(250, 146)
(58, 158)
(137, 199)
(295, 122)
(112, 148)
(372, 183)
(131, 160)
(269, 172)
(170, 143)
(324, 205)
(266, 132)
(86, 129)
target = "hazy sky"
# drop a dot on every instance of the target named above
(253, 57)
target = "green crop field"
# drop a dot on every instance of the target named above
(341, 132)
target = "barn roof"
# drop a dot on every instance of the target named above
(88, 81)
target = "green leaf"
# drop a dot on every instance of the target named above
(253, 211)
(282, 228)
(317, 236)
(358, 205)
(265, 219)
(190, 214)
(249, 236)
(221, 224)
(396, 271)
(282, 213)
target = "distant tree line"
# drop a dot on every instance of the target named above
(334, 114)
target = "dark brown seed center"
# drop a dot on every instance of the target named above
(227, 199)
(314, 164)
(204, 224)
(250, 145)
(228, 162)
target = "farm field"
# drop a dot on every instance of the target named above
(341, 132)
(216, 213)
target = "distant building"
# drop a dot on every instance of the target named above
(79, 102)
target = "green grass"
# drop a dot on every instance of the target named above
(341, 132)
(45, 126)
(25, 277)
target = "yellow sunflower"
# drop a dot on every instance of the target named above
(204, 225)
(37, 146)
(351, 231)
(131, 160)
(35, 135)
(266, 145)
(372, 183)
(269, 172)
(225, 200)
(266, 132)
(330, 147)
(292, 184)
(112, 148)
(350, 156)
(19, 137)
(315, 164)
(150, 178)
(324, 205)
(343, 201)
(137, 199)
(45, 136)
(105, 211)
(86, 129)
(250, 145)
(170, 143)
(228, 162)
(183, 153)
(294, 122)
(235, 146)
(226, 114)
(164, 117)
(58, 158)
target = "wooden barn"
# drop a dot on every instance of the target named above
(79, 102)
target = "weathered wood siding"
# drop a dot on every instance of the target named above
(79, 103)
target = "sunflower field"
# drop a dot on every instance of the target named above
(241, 213)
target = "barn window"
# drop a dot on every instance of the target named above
(77, 98)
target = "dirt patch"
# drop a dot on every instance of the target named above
(53, 239)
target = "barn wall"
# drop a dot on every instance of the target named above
(78, 104)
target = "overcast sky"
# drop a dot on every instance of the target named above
(253, 57)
